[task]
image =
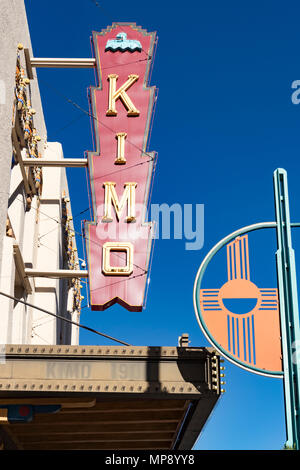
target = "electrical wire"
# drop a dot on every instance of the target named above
(119, 282)
(43, 339)
(102, 287)
(99, 244)
(86, 238)
(121, 169)
(124, 169)
(151, 158)
(55, 228)
(77, 233)
(88, 113)
(122, 65)
(81, 212)
(95, 118)
(57, 131)
(43, 323)
(63, 318)
(47, 233)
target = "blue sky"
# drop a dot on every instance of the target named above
(224, 122)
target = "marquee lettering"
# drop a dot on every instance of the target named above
(116, 270)
(121, 160)
(114, 95)
(111, 198)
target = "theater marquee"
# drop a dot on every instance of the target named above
(119, 238)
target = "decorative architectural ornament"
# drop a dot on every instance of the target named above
(9, 229)
(23, 107)
(121, 43)
(71, 251)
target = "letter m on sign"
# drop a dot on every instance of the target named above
(119, 238)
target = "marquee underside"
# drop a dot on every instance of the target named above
(111, 397)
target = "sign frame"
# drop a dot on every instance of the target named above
(116, 285)
(196, 295)
(288, 305)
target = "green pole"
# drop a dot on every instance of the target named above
(289, 312)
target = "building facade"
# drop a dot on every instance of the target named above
(54, 394)
(36, 230)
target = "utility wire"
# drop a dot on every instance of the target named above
(64, 319)
(119, 282)
(55, 228)
(123, 169)
(57, 131)
(34, 332)
(99, 244)
(151, 158)
(102, 287)
(77, 233)
(122, 65)
(77, 106)
(80, 213)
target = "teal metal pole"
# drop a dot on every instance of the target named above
(289, 312)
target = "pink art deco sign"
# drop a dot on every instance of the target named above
(119, 238)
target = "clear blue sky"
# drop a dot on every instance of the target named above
(224, 122)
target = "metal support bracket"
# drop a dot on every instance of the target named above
(62, 63)
(20, 267)
(17, 148)
(28, 64)
(57, 273)
(66, 162)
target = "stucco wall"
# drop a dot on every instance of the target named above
(37, 232)
(13, 30)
